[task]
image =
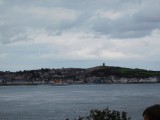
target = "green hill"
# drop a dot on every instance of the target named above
(105, 71)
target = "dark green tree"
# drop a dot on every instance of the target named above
(105, 114)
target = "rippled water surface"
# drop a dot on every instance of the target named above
(46, 102)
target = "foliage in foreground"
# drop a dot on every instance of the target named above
(105, 114)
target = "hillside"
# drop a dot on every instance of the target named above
(105, 71)
(99, 74)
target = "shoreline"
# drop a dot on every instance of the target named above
(78, 84)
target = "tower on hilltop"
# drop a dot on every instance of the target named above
(104, 65)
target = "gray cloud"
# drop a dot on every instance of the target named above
(20, 17)
(42, 32)
(139, 22)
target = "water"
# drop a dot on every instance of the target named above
(46, 102)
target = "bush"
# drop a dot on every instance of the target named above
(105, 114)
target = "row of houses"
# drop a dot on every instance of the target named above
(109, 80)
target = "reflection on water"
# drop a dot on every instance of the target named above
(60, 102)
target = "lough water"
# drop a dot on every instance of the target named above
(46, 102)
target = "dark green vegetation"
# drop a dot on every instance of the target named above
(105, 114)
(105, 71)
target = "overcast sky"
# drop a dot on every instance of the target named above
(38, 34)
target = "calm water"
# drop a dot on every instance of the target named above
(46, 102)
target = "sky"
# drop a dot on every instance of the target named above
(38, 34)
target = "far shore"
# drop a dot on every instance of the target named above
(78, 84)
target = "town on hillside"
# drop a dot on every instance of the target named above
(65, 76)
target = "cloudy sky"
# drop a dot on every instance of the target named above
(79, 33)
